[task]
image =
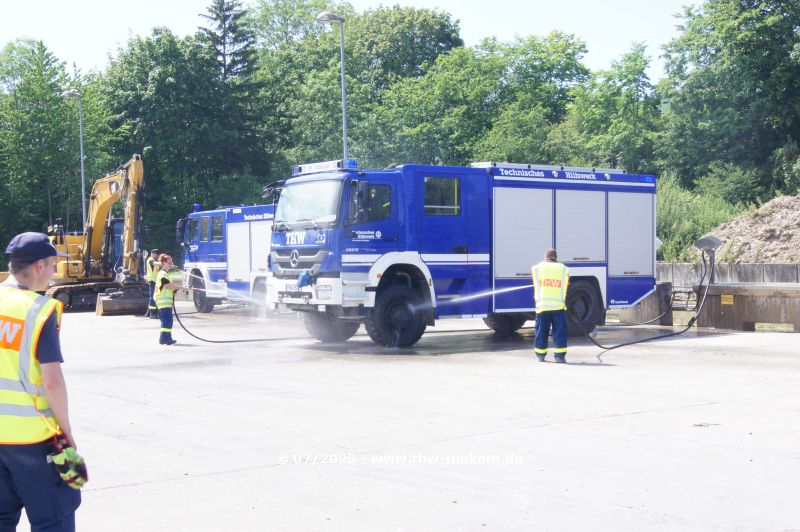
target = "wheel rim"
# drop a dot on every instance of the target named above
(400, 316)
(579, 307)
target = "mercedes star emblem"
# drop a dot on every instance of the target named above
(295, 258)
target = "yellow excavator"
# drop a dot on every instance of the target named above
(103, 266)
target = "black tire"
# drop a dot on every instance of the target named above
(201, 301)
(505, 324)
(584, 309)
(398, 319)
(327, 328)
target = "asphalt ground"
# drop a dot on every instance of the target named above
(463, 432)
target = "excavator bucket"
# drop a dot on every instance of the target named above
(129, 300)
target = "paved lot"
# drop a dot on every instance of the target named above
(464, 432)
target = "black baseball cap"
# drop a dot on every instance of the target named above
(30, 247)
(155, 250)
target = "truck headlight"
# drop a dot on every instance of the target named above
(324, 291)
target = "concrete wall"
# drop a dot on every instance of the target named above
(685, 275)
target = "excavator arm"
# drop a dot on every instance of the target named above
(90, 275)
(126, 183)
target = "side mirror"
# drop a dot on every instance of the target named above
(362, 200)
(180, 227)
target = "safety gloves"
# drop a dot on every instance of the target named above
(70, 466)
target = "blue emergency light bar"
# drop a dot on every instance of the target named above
(325, 166)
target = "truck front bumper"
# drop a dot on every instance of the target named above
(350, 291)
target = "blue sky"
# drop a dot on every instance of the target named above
(84, 32)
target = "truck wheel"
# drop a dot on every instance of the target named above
(397, 319)
(326, 328)
(201, 301)
(505, 324)
(584, 309)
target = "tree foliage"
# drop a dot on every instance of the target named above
(220, 113)
(732, 90)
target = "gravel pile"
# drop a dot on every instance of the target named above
(770, 234)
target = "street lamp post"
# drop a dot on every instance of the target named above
(75, 95)
(328, 17)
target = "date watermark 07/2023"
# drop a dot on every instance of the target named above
(398, 459)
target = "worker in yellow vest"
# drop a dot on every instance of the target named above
(167, 281)
(550, 280)
(34, 419)
(151, 268)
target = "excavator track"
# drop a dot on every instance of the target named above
(80, 296)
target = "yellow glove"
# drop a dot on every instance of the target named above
(70, 467)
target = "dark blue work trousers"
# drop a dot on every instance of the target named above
(151, 307)
(26, 479)
(557, 319)
(165, 315)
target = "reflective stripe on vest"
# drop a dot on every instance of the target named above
(550, 280)
(163, 297)
(25, 415)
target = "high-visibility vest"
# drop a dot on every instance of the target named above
(550, 280)
(25, 415)
(151, 271)
(164, 296)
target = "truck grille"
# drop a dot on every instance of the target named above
(293, 262)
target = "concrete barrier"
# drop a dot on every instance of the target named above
(741, 306)
(685, 275)
(651, 307)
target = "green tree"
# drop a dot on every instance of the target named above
(303, 85)
(231, 38)
(282, 23)
(439, 117)
(39, 180)
(732, 88)
(544, 70)
(613, 119)
(388, 44)
(166, 94)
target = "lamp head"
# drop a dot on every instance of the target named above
(327, 16)
(708, 243)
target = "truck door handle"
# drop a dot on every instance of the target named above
(351, 234)
(460, 249)
(390, 238)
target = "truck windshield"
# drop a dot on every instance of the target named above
(311, 203)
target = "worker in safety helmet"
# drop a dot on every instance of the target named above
(36, 442)
(550, 280)
(167, 281)
(151, 268)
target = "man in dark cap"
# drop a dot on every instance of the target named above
(34, 419)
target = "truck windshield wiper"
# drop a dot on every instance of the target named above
(280, 226)
(311, 221)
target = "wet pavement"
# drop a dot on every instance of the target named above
(464, 431)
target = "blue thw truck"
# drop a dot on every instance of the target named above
(225, 254)
(397, 249)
